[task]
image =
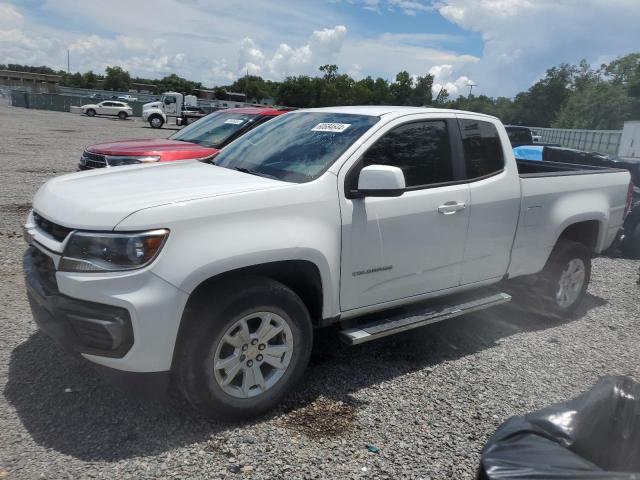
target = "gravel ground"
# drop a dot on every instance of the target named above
(428, 399)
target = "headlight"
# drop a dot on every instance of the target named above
(117, 160)
(111, 252)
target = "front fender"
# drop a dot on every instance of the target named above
(229, 264)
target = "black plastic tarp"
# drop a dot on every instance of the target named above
(596, 435)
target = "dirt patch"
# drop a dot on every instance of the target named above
(63, 130)
(323, 418)
(19, 208)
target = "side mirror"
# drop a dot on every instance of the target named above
(381, 181)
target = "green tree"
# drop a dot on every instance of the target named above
(422, 93)
(89, 80)
(175, 83)
(600, 106)
(116, 79)
(622, 69)
(402, 89)
(297, 91)
(381, 94)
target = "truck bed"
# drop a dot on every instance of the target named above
(533, 169)
(552, 191)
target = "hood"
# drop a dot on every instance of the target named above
(151, 105)
(168, 150)
(100, 199)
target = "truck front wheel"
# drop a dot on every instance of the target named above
(565, 278)
(156, 121)
(243, 349)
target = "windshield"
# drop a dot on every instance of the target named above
(213, 130)
(296, 147)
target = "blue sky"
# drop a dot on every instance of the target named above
(503, 46)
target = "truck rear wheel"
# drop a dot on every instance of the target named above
(242, 351)
(156, 121)
(565, 278)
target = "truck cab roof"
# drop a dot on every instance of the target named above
(267, 112)
(391, 110)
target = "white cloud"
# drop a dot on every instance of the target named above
(408, 7)
(389, 54)
(10, 17)
(522, 38)
(322, 47)
(443, 79)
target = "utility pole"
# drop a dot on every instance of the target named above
(471, 85)
(68, 63)
(246, 87)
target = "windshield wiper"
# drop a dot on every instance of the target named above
(254, 172)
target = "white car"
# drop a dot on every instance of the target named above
(216, 274)
(128, 98)
(108, 107)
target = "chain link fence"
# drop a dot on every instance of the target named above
(601, 141)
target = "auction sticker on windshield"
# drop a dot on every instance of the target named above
(331, 127)
(234, 121)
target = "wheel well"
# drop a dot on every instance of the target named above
(583, 232)
(301, 276)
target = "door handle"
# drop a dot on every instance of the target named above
(449, 208)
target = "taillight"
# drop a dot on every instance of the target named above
(627, 207)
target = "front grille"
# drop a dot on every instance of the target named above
(92, 160)
(45, 270)
(56, 231)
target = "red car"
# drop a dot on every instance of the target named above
(200, 140)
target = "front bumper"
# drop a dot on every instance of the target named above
(77, 325)
(125, 324)
(86, 327)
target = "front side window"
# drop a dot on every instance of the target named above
(420, 149)
(482, 148)
(296, 147)
(215, 129)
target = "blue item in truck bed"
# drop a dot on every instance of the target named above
(528, 152)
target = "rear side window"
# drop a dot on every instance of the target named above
(482, 148)
(420, 149)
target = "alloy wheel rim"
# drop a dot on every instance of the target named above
(253, 355)
(155, 122)
(571, 283)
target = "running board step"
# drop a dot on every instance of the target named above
(424, 316)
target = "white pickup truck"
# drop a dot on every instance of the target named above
(216, 274)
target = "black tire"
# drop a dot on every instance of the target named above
(91, 112)
(156, 121)
(548, 286)
(204, 329)
(631, 243)
(122, 115)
